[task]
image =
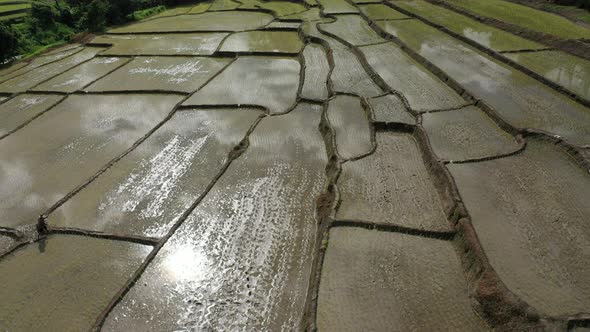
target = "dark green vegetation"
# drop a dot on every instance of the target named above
(577, 3)
(575, 10)
(50, 23)
(524, 16)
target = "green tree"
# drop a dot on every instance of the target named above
(8, 43)
(43, 15)
(96, 16)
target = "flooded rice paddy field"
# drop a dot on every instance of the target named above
(335, 165)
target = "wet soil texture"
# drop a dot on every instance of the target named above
(330, 165)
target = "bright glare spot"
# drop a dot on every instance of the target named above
(186, 263)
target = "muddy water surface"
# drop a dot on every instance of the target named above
(348, 75)
(155, 44)
(530, 212)
(182, 74)
(82, 75)
(23, 108)
(308, 15)
(381, 281)
(353, 29)
(145, 193)
(264, 81)
(209, 21)
(466, 133)
(350, 122)
(23, 67)
(390, 108)
(521, 100)
(287, 25)
(30, 79)
(263, 41)
(422, 89)
(317, 69)
(200, 127)
(242, 259)
(337, 7)
(40, 164)
(62, 283)
(391, 186)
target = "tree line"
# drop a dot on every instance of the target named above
(54, 22)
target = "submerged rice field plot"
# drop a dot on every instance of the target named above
(19, 110)
(30, 79)
(183, 74)
(422, 89)
(186, 152)
(566, 70)
(41, 164)
(248, 165)
(524, 16)
(496, 39)
(155, 44)
(521, 100)
(530, 214)
(208, 21)
(249, 240)
(263, 42)
(82, 75)
(409, 276)
(353, 29)
(270, 82)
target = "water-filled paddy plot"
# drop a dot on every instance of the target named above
(270, 82)
(390, 108)
(378, 281)
(521, 100)
(248, 241)
(263, 42)
(182, 74)
(298, 165)
(19, 110)
(40, 164)
(145, 192)
(36, 76)
(208, 21)
(156, 44)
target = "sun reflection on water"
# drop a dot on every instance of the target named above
(186, 263)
